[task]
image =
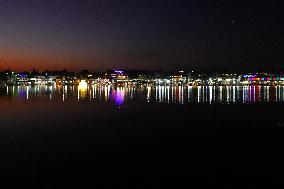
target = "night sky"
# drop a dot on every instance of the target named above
(141, 34)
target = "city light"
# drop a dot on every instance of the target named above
(82, 89)
(127, 78)
(83, 85)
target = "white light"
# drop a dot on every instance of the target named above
(83, 85)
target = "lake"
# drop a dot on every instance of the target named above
(122, 95)
(141, 130)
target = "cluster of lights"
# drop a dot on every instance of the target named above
(119, 77)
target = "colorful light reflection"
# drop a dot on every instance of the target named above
(118, 96)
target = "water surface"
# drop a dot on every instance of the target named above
(120, 95)
(148, 130)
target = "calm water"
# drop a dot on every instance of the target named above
(51, 130)
(157, 94)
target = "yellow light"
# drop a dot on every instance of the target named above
(82, 89)
(83, 85)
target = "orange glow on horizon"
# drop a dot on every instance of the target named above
(24, 62)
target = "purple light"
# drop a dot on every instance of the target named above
(118, 97)
(118, 72)
(23, 75)
(249, 76)
(22, 93)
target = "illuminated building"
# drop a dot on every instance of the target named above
(119, 77)
(263, 78)
(178, 78)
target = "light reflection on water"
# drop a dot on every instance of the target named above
(120, 95)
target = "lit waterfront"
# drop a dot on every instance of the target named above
(121, 95)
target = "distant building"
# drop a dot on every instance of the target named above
(118, 76)
(262, 78)
(179, 78)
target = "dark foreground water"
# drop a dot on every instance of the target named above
(46, 131)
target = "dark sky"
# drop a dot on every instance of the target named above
(141, 34)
